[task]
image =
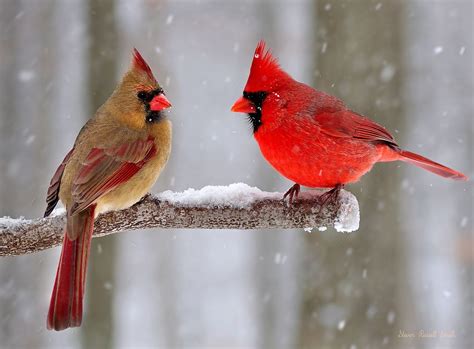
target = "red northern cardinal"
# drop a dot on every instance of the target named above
(116, 158)
(312, 138)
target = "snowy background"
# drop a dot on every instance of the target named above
(406, 64)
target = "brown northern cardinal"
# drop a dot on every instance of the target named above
(116, 158)
(311, 137)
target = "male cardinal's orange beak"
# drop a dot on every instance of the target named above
(159, 102)
(243, 105)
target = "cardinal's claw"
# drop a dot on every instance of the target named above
(330, 196)
(292, 193)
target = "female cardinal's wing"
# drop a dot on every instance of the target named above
(105, 169)
(347, 124)
(52, 197)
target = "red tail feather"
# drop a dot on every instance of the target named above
(431, 166)
(65, 309)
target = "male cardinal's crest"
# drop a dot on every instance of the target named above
(264, 70)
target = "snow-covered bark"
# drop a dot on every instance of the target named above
(237, 206)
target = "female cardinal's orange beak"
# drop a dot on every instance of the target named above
(159, 102)
(243, 105)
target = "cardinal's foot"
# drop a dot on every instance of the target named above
(292, 193)
(330, 197)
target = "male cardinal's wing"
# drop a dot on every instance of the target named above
(105, 169)
(53, 190)
(347, 124)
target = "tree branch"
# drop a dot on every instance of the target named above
(237, 206)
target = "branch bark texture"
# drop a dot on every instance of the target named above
(265, 210)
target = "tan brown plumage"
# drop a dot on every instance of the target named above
(117, 157)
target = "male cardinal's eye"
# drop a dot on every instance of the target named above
(142, 95)
(256, 98)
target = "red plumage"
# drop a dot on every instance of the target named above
(103, 170)
(65, 309)
(265, 70)
(311, 137)
(121, 163)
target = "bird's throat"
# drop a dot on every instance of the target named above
(154, 116)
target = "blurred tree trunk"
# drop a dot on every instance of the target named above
(25, 71)
(7, 103)
(267, 244)
(288, 28)
(438, 89)
(98, 327)
(8, 204)
(350, 280)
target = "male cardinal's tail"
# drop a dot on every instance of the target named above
(65, 309)
(431, 166)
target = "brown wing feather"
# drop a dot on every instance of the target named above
(52, 197)
(348, 124)
(104, 169)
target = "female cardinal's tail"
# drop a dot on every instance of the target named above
(65, 309)
(429, 165)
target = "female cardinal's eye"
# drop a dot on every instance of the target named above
(142, 95)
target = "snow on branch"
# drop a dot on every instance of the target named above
(236, 206)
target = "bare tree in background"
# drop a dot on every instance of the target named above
(7, 197)
(288, 28)
(7, 102)
(350, 292)
(438, 90)
(98, 327)
(266, 283)
(25, 71)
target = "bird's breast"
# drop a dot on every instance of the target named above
(130, 192)
(305, 155)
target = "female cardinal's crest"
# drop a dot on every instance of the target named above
(140, 63)
(264, 70)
